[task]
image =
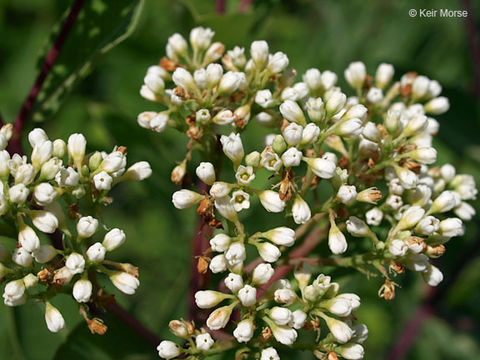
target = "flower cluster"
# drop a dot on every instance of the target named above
(57, 198)
(340, 167)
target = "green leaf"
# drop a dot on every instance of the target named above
(101, 25)
(119, 342)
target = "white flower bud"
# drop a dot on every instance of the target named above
(374, 216)
(247, 295)
(237, 55)
(75, 263)
(50, 169)
(285, 296)
(446, 201)
(206, 299)
(30, 281)
(262, 274)
(53, 318)
(281, 315)
(259, 53)
(76, 148)
(200, 38)
(124, 282)
(183, 199)
(283, 236)
(154, 82)
(284, 334)
(138, 171)
(178, 44)
(87, 226)
(300, 211)
(225, 207)
(168, 350)
(292, 157)
(420, 87)
(424, 155)
(347, 193)
(224, 117)
(408, 179)
(44, 194)
(374, 95)
(370, 132)
(451, 227)
(271, 201)
(96, 252)
(244, 331)
(22, 257)
(351, 351)
(398, 248)
(59, 148)
(44, 254)
(410, 217)
(4, 160)
(336, 240)
(18, 193)
(235, 254)
(448, 172)
(67, 177)
(27, 237)
(37, 136)
(113, 239)
(231, 82)
(415, 125)
(394, 202)
(233, 147)
(218, 264)
(206, 172)
(357, 227)
(350, 128)
(14, 293)
(340, 330)
(25, 174)
(432, 276)
(465, 211)
(220, 242)
(82, 290)
(218, 319)
(103, 181)
(41, 153)
(293, 134)
(269, 354)
(292, 112)
(184, 79)
(315, 110)
(204, 341)
(234, 282)
(355, 74)
(321, 167)
(277, 62)
(417, 262)
(268, 252)
(313, 79)
(44, 221)
(384, 75)
(264, 98)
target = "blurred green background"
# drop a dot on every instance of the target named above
(104, 106)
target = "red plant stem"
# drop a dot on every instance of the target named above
(15, 144)
(133, 323)
(220, 6)
(244, 5)
(473, 43)
(410, 332)
(200, 244)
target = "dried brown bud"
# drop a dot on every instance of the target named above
(371, 196)
(202, 265)
(397, 267)
(266, 334)
(435, 251)
(168, 64)
(387, 290)
(44, 275)
(332, 356)
(96, 326)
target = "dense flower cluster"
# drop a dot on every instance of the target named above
(356, 166)
(57, 197)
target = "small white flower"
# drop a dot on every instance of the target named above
(41, 153)
(271, 201)
(53, 318)
(14, 293)
(284, 334)
(220, 189)
(262, 274)
(259, 52)
(271, 161)
(206, 172)
(357, 227)
(247, 295)
(285, 296)
(240, 200)
(298, 319)
(168, 350)
(245, 175)
(218, 319)
(113, 239)
(336, 240)
(355, 74)
(433, 276)
(292, 112)
(310, 133)
(218, 264)
(36, 137)
(124, 282)
(45, 221)
(321, 167)
(374, 95)
(281, 315)
(67, 177)
(87, 226)
(206, 299)
(427, 226)
(374, 216)
(96, 252)
(347, 193)
(264, 98)
(233, 147)
(268, 252)
(244, 331)
(22, 257)
(27, 237)
(410, 217)
(277, 62)
(235, 254)
(184, 198)
(224, 117)
(451, 227)
(234, 282)
(437, 106)
(184, 79)
(18, 193)
(201, 37)
(103, 181)
(398, 248)
(220, 242)
(82, 290)
(283, 236)
(340, 330)
(384, 75)
(269, 354)
(204, 341)
(350, 128)
(75, 263)
(76, 148)
(351, 351)
(300, 211)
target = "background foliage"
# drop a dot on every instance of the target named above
(104, 106)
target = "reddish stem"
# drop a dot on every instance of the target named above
(15, 144)
(200, 243)
(220, 6)
(244, 5)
